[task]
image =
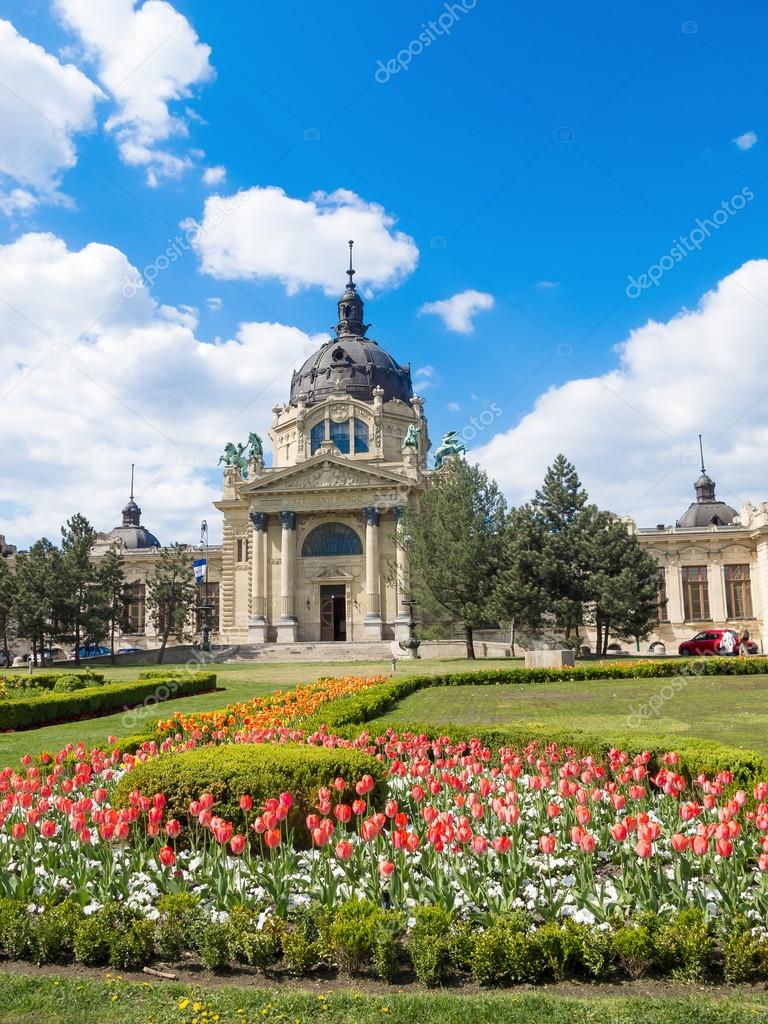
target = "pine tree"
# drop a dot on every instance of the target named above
(82, 616)
(520, 599)
(7, 607)
(171, 595)
(111, 584)
(623, 587)
(38, 582)
(453, 541)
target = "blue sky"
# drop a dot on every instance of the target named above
(539, 155)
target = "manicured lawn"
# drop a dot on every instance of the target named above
(731, 709)
(64, 1001)
(238, 681)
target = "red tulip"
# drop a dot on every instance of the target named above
(644, 848)
(344, 849)
(502, 844)
(386, 869)
(48, 829)
(762, 861)
(246, 802)
(700, 845)
(724, 847)
(343, 812)
(679, 842)
(172, 828)
(237, 844)
(272, 838)
(206, 801)
(547, 844)
(339, 784)
(365, 785)
(619, 831)
(19, 830)
(587, 843)
(167, 856)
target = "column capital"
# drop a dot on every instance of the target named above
(258, 520)
(399, 512)
(371, 515)
(287, 520)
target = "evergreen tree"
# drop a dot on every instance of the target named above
(565, 522)
(81, 612)
(520, 599)
(453, 541)
(111, 584)
(7, 607)
(623, 585)
(171, 595)
(38, 582)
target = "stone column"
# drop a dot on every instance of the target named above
(257, 626)
(372, 622)
(287, 627)
(675, 612)
(760, 591)
(716, 584)
(402, 615)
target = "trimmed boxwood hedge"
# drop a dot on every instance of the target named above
(32, 712)
(347, 716)
(258, 770)
(47, 680)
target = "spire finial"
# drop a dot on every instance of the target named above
(350, 272)
(132, 465)
(701, 452)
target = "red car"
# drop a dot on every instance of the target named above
(710, 641)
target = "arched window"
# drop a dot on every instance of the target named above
(331, 539)
(361, 436)
(316, 436)
(340, 436)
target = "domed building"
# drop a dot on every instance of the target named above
(309, 543)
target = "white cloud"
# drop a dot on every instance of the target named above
(632, 431)
(454, 407)
(423, 378)
(458, 311)
(745, 141)
(214, 175)
(149, 58)
(264, 233)
(43, 105)
(214, 303)
(547, 285)
(91, 381)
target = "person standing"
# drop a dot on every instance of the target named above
(744, 640)
(727, 642)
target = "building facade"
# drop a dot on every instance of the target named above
(309, 547)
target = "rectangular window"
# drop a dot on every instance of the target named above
(316, 436)
(661, 593)
(738, 594)
(135, 608)
(361, 437)
(340, 436)
(207, 607)
(695, 592)
(241, 549)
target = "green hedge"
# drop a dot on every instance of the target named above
(47, 680)
(32, 712)
(258, 770)
(348, 715)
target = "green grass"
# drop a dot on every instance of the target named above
(730, 709)
(238, 681)
(71, 1001)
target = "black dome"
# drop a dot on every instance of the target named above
(355, 365)
(707, 510)
(132, 534)
(351, 363)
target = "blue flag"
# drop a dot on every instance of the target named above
(199, 566)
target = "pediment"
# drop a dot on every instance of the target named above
(328, 472)
(331, 573)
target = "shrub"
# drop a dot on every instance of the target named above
(71, 682)
(633, 949)
(92, 940)
(33, 711)
(15, 929)
(131, 947)
(115, 935)
(249, 944)
(363, 933)
(258, 770)
(210, 940)
(386, 950)
(461, 945)
(683, 945)
(428, 944)
(53, 932)
(301, 947)
(178, 914)
(504, 951)
(742, 953)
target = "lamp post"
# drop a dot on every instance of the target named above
(411, 643)
(205, 605)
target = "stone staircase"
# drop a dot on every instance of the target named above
(354, 650)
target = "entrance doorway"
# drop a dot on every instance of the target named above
(333, 612)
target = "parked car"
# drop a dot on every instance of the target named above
(131, 650)
(90, 651)
(49, 655)
(709, 642)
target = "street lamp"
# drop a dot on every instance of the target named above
(411, 643)
(205, 604)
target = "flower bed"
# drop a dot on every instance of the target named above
(513, 862)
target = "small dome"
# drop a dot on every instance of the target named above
(706, 510)
(134, 537)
